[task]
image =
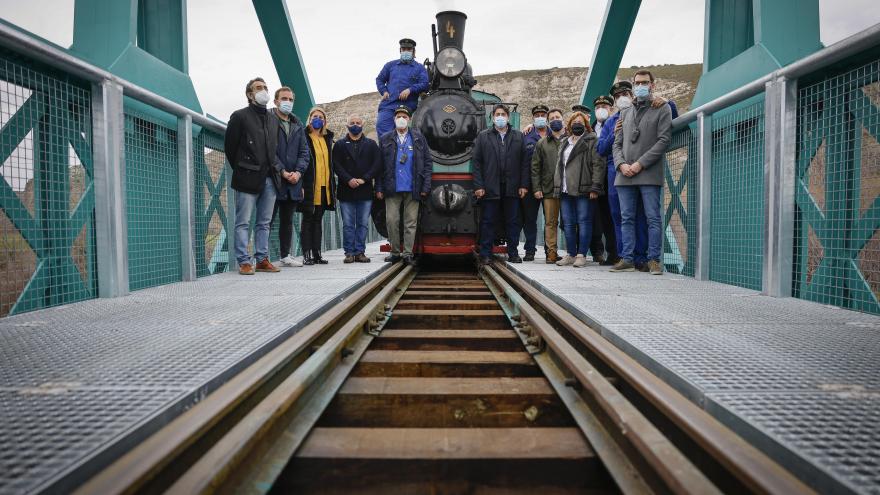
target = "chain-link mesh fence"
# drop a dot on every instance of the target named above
(47, 231)
(680, 203)
(152, 200)
(836, 243)
(737, 209)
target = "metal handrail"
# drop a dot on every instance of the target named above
(847, 47)
(60, 59)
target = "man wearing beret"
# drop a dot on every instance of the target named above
(529, 205)
(403, 182)
(604, 235)
(400, 82)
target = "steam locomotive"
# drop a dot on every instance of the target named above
(450, 115)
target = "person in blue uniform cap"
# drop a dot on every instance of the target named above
(400, 82)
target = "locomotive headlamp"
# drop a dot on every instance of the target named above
(450, 62)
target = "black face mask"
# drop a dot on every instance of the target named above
(578, 129)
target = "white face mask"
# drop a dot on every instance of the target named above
(261, 97)
(624, 102)
(601, 114)
(401, 122)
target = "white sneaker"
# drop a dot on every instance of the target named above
(565, 261)
(580, 261)
(290, 261)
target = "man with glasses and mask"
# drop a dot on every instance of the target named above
(250, 145)
(640, 142)
(530, 205)
(399, 83)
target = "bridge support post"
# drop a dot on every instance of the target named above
(185, 171)
(704, 197)
(780, 135)
(111, 226)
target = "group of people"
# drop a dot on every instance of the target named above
(604, 178)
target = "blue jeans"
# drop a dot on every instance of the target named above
(640, 252)
(244, 209)
(577, 219)
(650, 196)
(490, 213)
(355, 215)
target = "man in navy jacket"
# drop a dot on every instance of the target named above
(293, 153)
(356, 161)
(404, 182)
(501, 179)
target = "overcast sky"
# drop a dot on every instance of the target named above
(344, 43)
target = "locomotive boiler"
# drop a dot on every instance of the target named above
(450, 115)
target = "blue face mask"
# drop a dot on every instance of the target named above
(641, 91)
(500, 121)
(540, 122)
(355, 129)
(285, 107)
(317, 122)
(406, 56)
(555, 125)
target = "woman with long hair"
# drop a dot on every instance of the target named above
(319, 189)
(579, 180)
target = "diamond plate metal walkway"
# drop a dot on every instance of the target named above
(77, 379)
(798, 379)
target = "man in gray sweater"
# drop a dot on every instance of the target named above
(640, 141)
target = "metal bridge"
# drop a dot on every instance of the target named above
(118, 314)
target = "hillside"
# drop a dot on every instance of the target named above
(555, 87)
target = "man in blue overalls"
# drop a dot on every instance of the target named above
(400, 82)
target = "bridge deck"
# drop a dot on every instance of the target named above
(799, 379)
(77, 378)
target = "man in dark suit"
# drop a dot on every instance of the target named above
(501, 179)
(356, 161)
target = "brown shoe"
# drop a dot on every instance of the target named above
(362, 258)
(348, 259)
(266, 266)
(552, 257)
(245, 269)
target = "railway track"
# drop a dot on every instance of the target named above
(445, 383)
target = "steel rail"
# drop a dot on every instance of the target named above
(221, 467)
(640, 447)
(171, 446)
(748, 465)
(58, 58)
(847, 47)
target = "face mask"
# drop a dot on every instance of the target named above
(556, 125)
(261, 97)
(317, 122)
(624, 102)
(540, 122)
(500, 121)
(601, 114)
(285, 107)
(406, 56)
(642, 91)
(355, 129)
(578, 129)
(401, 122)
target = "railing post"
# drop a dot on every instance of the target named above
(780, 135)
(704, 197)
(232, 263)
(111, 226)
(185, 186)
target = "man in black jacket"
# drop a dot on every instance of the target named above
(356, 161)
(250, 145)
(501, 179)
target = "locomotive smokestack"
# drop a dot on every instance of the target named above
(450, 29)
